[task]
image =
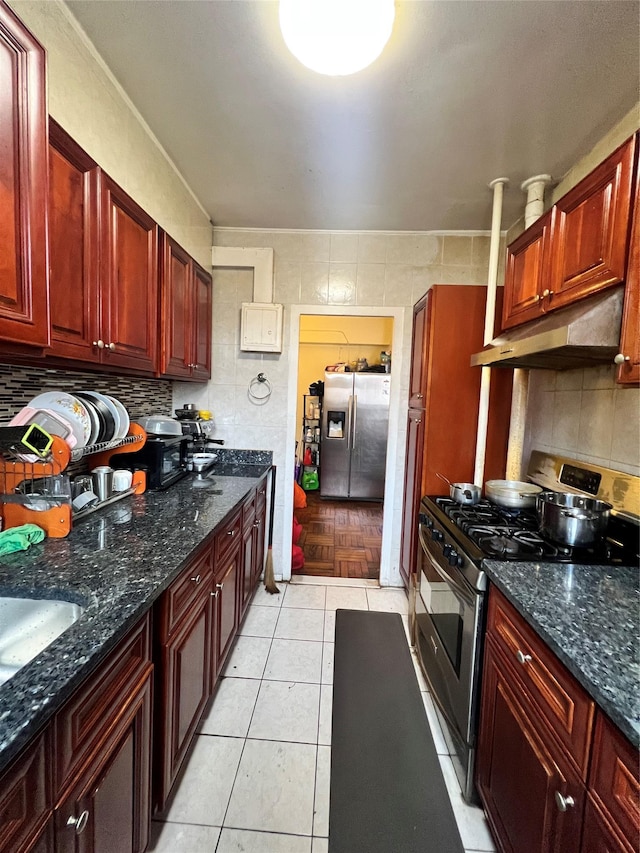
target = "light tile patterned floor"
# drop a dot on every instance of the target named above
(258, 778)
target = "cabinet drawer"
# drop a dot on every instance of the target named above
(248, 512)
(227, 537)
(613, 780)
(555, 692)
(94, 708)
(192, 583)
(25, 796)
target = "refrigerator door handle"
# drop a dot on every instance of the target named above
(354, 418)
(349, 422)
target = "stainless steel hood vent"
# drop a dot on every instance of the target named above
(581, 335)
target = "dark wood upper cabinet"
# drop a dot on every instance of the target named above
(24, 304)
(129, 282)
(527, 264)
(73, 247)
(185, 316)
(629, 356)
(590, 230)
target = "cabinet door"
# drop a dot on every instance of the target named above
(523, 779)
(629, 369)
(129, 287)
(526, 274)
(417, 381)
(201, 324)
(176, 313)
(412, 484)
(183, 689)
(248, 549)
(24, 301)
(73, 248)
(25, 797)
(598, 835)
(591, 230)
(108, 807)
(226, 587)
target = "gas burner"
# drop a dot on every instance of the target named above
(509, 547)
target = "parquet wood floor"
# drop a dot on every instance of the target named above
(340, 538)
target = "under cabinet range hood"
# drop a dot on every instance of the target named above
(582, 335)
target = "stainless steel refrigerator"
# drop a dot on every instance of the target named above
(355, 420)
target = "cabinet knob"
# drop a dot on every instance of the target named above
(621, 358)
(220, 585)
(99, 344)
(111, 346)
(537, 297)
(419, 396)
(256, 524)
(547, 292)
(215, 594)
(522, 658)
(196, 579)
(564, 803)
(79, 822)
(231, 533)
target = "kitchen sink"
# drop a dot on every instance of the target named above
(27, 626)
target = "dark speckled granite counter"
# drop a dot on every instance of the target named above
(115, 563)
(590, 618)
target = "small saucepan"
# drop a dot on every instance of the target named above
(573, 520)
(463, 493)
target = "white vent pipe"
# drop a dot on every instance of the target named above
(534, 208)
(497, 186)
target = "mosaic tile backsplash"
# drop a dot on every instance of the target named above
(19, 385)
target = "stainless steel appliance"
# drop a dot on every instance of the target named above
(449, 600)
(355, 419)
(163, 457)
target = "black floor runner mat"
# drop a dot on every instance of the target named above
(388, 794)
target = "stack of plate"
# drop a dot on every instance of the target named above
(82, 419)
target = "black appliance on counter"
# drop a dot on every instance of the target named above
(448, 602)
(164, 458)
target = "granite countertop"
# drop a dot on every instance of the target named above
(590, 618)
(115, 563)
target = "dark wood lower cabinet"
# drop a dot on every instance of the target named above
(521, 777)
(599, 835)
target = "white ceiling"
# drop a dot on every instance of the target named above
(463, 93)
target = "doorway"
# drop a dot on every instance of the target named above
(359, 533)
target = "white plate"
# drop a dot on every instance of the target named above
(108, 402)
(71, 408)
(124, 417)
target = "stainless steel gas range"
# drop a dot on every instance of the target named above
(449, 601)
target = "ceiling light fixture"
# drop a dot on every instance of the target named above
(336, 37)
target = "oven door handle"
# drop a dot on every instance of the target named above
(465, 594)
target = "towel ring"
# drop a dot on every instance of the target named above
(259, 383)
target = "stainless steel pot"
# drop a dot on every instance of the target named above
(573, 520)
(464, 493)
(513, 494)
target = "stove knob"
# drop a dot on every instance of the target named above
(454, 559)
(447, 550)
(437, 535)
(423, 518)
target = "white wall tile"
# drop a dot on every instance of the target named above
(344, 248)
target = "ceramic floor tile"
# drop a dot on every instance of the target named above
(434, 725)
(249, 841)
(311, 597)
(321, 802)
(266, 599)
(260, 621)
(295, 623)
(346, 598)
(326, 711)
(294, 660)
(471, 821)
(182, 838)
(320, 845)
(232, 708)
(248, 657)
(203, 792)
(327, 662)
(288, 711)
(274, 788)
(329, 626)
(388, 600)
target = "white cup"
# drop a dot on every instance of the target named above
(122, 480)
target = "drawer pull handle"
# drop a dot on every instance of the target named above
(522, 658)
(79, 822)
(196, 579)
(564, 803)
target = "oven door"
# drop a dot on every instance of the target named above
(448, 616)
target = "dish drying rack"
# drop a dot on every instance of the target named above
(58, 520)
